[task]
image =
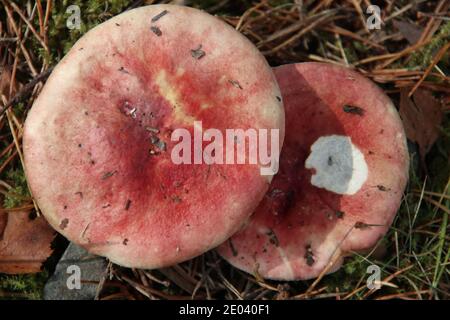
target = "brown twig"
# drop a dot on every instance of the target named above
(21, 95)
(435, 61)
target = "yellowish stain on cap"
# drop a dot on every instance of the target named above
(169, 92)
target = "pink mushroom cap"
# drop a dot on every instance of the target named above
(98, 144)
(343, 170)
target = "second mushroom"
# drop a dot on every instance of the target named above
(343, 169)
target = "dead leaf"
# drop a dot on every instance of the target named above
(3, 219)
(25, 243)
(410, 31)
(5, 81)
(421, 117)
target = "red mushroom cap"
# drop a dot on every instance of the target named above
(343, 169)
(98, 142)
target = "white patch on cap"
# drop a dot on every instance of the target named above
(340, 166)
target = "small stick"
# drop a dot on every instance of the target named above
(8, 160)
(346, 33)
(388, 278)
(246, 14)
(357, 6)
(18, 34)
(19, 150)
(404, 295)
(392, 56)
(48, 11)
(33, 30)
(20, 96)
(301, 33)
(435, 61)
(40, 17)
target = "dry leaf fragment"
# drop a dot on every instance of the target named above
(5, 80)
(24, 243)
(421, 117)
(410, 31)
(3, 219)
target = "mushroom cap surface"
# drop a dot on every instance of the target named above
(343, 170)
(98, 139)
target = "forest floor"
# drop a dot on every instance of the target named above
(408, 56)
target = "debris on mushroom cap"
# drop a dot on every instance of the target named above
(97, 141)
(343, 169)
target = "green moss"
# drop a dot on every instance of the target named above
(19, 109)
(351, 55)
(424, 56)
(360, 47)
(92, 13)
(28, 286)
(19, 191)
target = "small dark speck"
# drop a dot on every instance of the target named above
(159, 16)
(122, 69)
(273, 239)
(232, 248)
(118, 24)
(309, 256)
(279, 98)
(354, 110)
(154, 139)
(340, 214)
(125, 242)
(106, 206)
(161, 145)
(383, 188)
(371, 152)
(128, 204)
(108, 174)
(64, 223)
(235, 84)
(176, 199)
(80, 145)
(330, 161)
(156, 30)
(86, 113)
(80, 49)
(361, 225)
(198, 53)
(65, 207)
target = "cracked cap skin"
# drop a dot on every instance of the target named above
(97, 141)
